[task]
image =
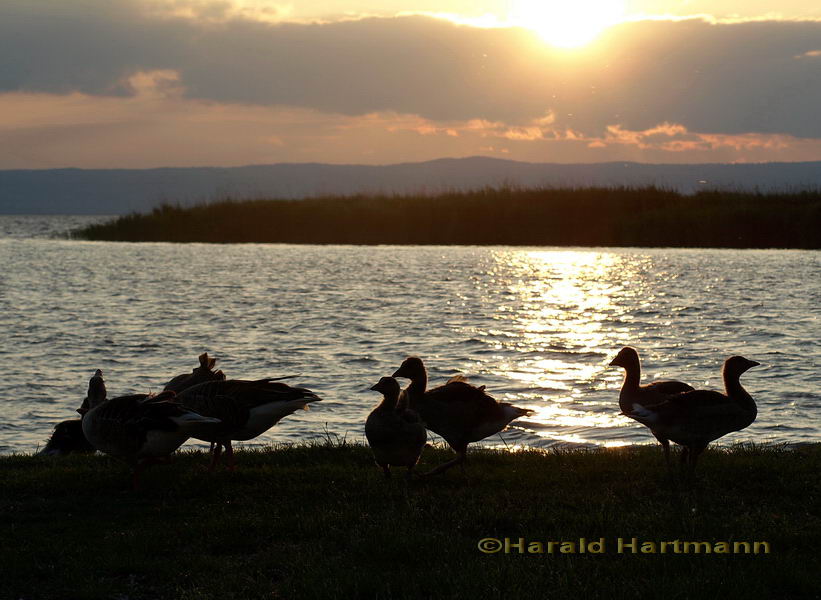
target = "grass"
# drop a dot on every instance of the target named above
(491, 216)
(319, 521)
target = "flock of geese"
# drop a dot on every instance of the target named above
(145, 429)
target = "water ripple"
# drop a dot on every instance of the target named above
(537, 326)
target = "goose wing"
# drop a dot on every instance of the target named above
(669, 388)
(395, 438)
(700, 415)
(459, 412)
(262, 391)
(232, 400)
(120, 426)
(213, 399)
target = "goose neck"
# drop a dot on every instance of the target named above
(632, 376)
(388, 402)
(735, 391)
(418, 384)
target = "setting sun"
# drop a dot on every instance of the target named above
(568, 24)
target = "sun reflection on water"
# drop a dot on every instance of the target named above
(556, 321)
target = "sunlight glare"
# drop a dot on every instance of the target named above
(568, 23)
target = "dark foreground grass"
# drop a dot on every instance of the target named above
(318, 521)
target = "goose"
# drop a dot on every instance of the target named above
(139, 429)
(71, 433)
(67, 438)
(68, 435)
(395, 434)
(696, 418)
(246, 409)
(204, 372)
(651, 394)
(459, 412)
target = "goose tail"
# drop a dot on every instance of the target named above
(282, 377)
(514, 412)
(309, 397)
(641, 414)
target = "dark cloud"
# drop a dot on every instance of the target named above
(722, 78)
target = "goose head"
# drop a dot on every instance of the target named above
(626, 358)
(736, 365)
(387, 386)
(205, 371)
(67, 438)
(411, 368)
(96, 393)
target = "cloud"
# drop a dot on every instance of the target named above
(218, 11)
(158, 126)
(645, 91)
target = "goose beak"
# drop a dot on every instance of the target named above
(397, 373)
(375, 387)
(754, 363)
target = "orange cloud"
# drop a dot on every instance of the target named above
(672, 137)
(158, 126)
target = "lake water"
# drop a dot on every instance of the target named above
(537, 326)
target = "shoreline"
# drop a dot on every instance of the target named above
(438, 444)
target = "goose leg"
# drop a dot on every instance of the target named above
(386, 469)
(460, 459)
(216, 456)
(665, 445)
(229, 453)
(142, 466)
(695, 452)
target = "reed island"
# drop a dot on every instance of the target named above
(641, 217)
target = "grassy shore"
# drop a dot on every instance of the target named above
(507, 216)
(318, 521)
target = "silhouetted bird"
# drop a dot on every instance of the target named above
(694, 419)
(204, 372)
(139, 429)
(246, 408)
(459, 412)
(647, 395)
(67, 438)
(395, 434)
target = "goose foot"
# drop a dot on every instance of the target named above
(215, 457)
(229, 457)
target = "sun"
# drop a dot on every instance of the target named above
(567, 23)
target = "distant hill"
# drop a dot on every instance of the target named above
(121, 191)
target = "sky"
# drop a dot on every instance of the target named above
(151, 83)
